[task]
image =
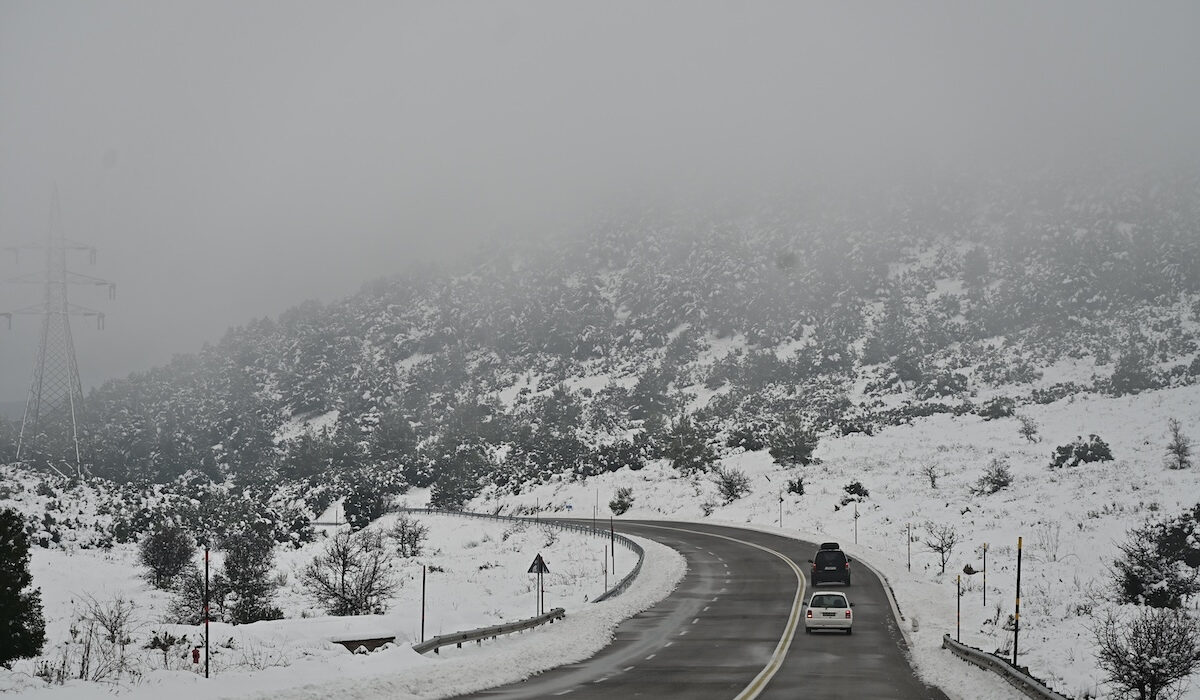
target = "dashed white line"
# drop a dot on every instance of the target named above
(668, 644)
(706, 607)
(627, 669)
(651, 656)
(682, 632)
(564, 692)
(695, 621)
(715, 598)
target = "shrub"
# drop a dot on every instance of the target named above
(1159, 562)
(1078, 452)
(409, 535)
(792, 443)
(994, 479)
(622, 500)
(1028, 429)
(187, 599)
(732, 484)
(855, 491)
(943, 384)
(352, 576)
(165, 553)
(1148, 655)
(747, 437)
(22, 627)
(248, 559)
(1179, 449)
(941, 540)
(999, 407)
(796, 485)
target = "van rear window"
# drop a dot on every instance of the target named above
(828, 558)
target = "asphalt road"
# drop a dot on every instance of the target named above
(734, 629)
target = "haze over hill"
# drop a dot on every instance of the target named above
(231, 160)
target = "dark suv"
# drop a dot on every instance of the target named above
(830, 565)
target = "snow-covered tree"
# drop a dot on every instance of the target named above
(22, 627)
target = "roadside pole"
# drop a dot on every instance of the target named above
(985, 574)
(206, 615)
(958, 608)
(1017, 614)
(909, 546)
(422, 602)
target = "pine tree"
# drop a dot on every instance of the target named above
(248, 559)
(165, 553)
(22, 628)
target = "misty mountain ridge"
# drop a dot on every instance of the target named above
(681, 334)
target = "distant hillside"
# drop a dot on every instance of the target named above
(683, 335)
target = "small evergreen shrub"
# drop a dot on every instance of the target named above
(796, 486)
(622, 500)
(1080, 451)
(995, 478)
(855, 491)
(999, 407)
(732, 484)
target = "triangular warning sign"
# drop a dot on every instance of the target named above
(538, 566)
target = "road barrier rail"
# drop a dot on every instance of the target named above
(558, 613)
(482, 633)
(1016, 677)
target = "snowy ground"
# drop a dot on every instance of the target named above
(1071, 520)
(482, 581)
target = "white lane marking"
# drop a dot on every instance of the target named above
(668, 644)
(695, 621)
(789, 632)
(682, 632)
(651, 656)
(627, 669)
(564, 692)
(706, 607)
(715, 598)
(601, 680)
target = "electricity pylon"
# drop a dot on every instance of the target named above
(52, 427)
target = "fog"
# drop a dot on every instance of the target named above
(232, 159)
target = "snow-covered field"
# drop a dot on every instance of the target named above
(481, 580)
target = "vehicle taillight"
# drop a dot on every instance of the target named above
(847, 614)
(847, 566)
(810, 613)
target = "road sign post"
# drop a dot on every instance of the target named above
(539, 567)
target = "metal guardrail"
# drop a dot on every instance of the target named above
(482, 633)
(495, 630)
(1016, 678)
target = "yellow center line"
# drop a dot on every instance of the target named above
(789, 631)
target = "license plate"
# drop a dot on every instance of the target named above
(828, 614)
(831, 568)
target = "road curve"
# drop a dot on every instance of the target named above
(733, 629)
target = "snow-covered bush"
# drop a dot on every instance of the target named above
(1159, 563)
(22, 628)
(622, 500)
(999, 407)
(995, 478)
(731, 483)
(165, 553)
(1080, 452)
(1147, 654)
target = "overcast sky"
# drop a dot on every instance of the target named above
(232, 159)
